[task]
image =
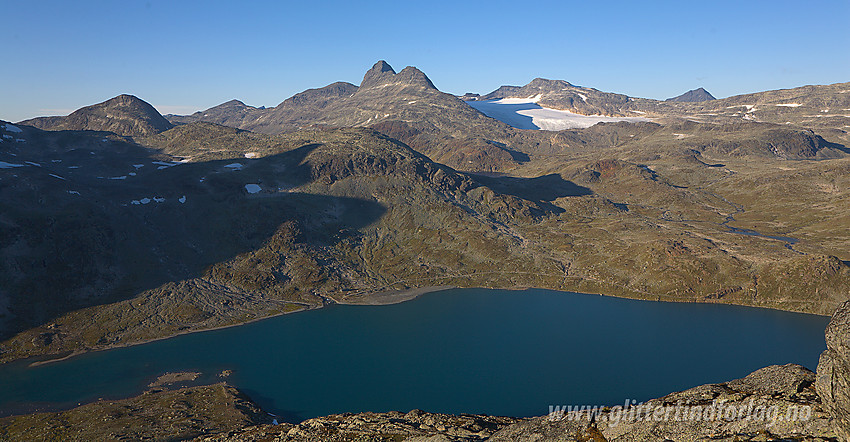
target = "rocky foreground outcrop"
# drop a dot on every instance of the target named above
(160, 414)
(833, 383)
(415, 425)
(774, 403)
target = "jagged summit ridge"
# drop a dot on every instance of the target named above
(382, 73)
(693, 96)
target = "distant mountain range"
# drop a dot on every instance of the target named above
(409, 107)
(410, 97)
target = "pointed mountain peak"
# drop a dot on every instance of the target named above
(382, 66)
(693, 96)
(380, 73)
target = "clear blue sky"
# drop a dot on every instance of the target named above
(183, 56)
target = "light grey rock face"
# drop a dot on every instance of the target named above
(753, 408)
(776, 380)
(833, 379)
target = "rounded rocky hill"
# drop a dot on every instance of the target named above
(125, 115)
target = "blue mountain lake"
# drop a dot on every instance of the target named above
(486, 351)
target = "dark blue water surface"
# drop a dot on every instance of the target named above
(456, 351)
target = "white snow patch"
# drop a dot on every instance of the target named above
(73, 167)
(253, 188)
(527, 114)
(234, 166)
(33, 164)
(529, 100)
(638, 112)
(56, 176)
(138, 166)
(411, 102)
(789, 105)
(122, 177)
(159, 200)
(7, 136)
(5, 165)
(132, 174)
(73, 192)
(583, 97)
(12, 128)
(145, 200)
(182, 199)
(251, 155)
(135, 202)
(55, 161)
(21, 140)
